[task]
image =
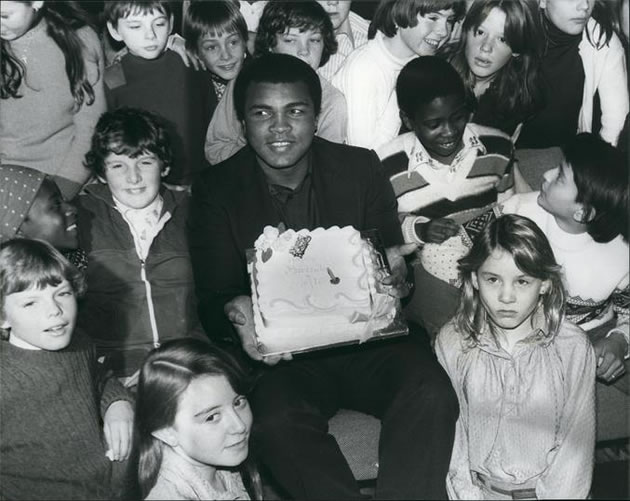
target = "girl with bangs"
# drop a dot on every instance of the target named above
(524, 376)
(498, 59)
(63, 419)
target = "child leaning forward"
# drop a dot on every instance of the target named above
(524, 376)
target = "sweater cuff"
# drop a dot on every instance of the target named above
(112, 392)
(409, 229)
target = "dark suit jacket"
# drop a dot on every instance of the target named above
(231, 205)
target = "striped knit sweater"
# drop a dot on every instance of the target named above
(480, 174)
(51, 443)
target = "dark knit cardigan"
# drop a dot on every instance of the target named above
(51, 408)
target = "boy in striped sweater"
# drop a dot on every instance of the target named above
(445, 172)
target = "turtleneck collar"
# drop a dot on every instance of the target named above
(556, 38)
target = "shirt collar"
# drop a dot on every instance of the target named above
(537, 336)
(154, 207)
(419, 156)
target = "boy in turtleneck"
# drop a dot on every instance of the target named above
(151, 77)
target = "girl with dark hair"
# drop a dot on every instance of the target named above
(499, 60)
(400, 31)
(524, 377)
(192, 425)
(582, 208)
(51, 88)
(582, 56)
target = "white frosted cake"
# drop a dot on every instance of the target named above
(315, 288)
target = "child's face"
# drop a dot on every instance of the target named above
(212, 424)
(308, 45)
(487, 50)
(432, 32)
(440, 125)
(222, 54)
(51, 218)
(145, 35)
(569, 16)
(508, 295)
(134, 181)
(338, 11)
(44, 318)
(558, 192)
(16, 18)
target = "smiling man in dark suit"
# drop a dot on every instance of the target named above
(287, 175)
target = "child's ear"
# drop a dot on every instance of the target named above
(545, 287)
(475, 281)
(5, 325)
(406, 120)
(165, 171)
(113, 32)
(542, 4)
(584, 214)
(166, 435)
(170, 24)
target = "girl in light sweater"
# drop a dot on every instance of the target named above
(524, 377)
(51, 89)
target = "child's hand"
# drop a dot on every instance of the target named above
(178, 45)
(437, 231)
(610, 352)
(118, 426)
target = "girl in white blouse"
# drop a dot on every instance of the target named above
(524, 376)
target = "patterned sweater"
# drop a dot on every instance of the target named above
(595, 275)
(527, 419)
(51, 407)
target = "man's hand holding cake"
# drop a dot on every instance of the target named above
(241, 313)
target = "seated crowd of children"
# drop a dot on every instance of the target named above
(502, 126)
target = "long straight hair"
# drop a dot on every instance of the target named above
(517, 85)
(165, 375)
(527, 244)
(63, 19)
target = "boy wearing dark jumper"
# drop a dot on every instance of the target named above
(151, 77)
(61, 416)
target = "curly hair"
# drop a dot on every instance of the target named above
(527, 244)
(131, 132)
(279, 16)
(518, 84)
(63, 19)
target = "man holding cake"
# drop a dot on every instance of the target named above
(287, 177)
